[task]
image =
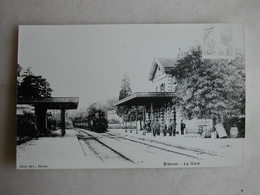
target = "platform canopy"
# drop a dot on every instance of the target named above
(52, 102)
(146, 98)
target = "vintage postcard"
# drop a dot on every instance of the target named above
(131, 96)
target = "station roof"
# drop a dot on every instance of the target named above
(52, 102)
(146, 98)
(166, 63)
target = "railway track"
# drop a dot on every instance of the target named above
(149, 144)
(100, 150)
(195, 150)
(114, 148)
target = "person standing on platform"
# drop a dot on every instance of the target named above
(156, 128)
(183, 126)
(164, 129)
(171, 128)
(147, 128)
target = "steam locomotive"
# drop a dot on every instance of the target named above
(94, 122)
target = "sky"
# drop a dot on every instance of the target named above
(89, 61)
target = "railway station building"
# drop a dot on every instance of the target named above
(159, 104)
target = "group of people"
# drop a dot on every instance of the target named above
(156, 128)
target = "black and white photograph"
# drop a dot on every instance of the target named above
(131, 96)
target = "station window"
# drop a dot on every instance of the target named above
(162, 87)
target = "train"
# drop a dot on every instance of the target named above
(94, 122)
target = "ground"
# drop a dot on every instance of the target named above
(119, 149)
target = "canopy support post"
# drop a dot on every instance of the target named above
(144, 110)
(136, 117)
(62, 115)
(130, 120)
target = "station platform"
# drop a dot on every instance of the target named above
(51, 152)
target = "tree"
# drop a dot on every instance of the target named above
(124, 92)
(125, 87)
(210, 88)
(32, 86)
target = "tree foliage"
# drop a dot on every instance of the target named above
(125, 87)
(124, 92)
(209, 88)
(32, 86)
(26, 125)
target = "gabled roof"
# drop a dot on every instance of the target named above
(166, 63)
